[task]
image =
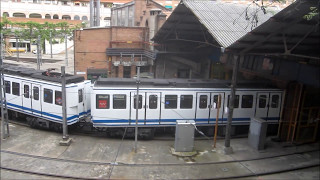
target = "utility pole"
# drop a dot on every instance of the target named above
(66, 59)
(66, 141)
(51, 44)
(4, 110)
(17, 48)
(137, 108)
(38, 53)
(227, 148)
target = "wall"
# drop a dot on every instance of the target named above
(90, 49)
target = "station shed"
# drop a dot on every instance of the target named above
(285, 50)
(205, 38)
(195, 35)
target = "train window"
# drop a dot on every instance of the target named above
(58, 98)
(139, 103)
(262, 101)
(153, 102)
(186, 101)
(247, 101)
(26, 91)
(80, 93)
(8, 87)
(275, 101)
(171, 102)
(16, 88)
(236, 101)
(119, 101)
(47, 95)
(203, 101)
(102, 101)
(215, 100)
(35, 93)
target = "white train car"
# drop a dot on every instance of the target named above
(163, 102)
(37, 95)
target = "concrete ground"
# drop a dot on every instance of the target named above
(29, 60)
(39, 152)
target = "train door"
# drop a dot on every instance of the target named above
(262, 105)
(141, 107)
(152, 108)
(268, 105)
(207, 107)
(215, 106)
(36, 99)
(274, 106)
(26, 100)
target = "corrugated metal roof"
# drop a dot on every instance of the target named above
(226, 22)
(297, 26)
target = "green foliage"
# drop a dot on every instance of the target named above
(30, 30)
(313, 12)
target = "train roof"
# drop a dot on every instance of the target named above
(178, 83)
(40, 74)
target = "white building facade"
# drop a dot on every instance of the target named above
(56, 9)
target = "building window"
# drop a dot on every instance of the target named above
(55, 16)
(186, 101)
(153, 102)
(8, 87)
(102, 101)
(203, 102)
(47, 95)
(16, 88)
(247, 101)
(139, 103)
(275, 101)
(76, 17)
(35, 93)
(26, 91)
(58, 98)
(171, 102)
(127, 71)
(119, 101)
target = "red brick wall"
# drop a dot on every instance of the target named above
(90, 49)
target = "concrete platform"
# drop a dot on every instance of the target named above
(38, 151)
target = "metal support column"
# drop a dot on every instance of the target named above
(65, 137)
(137, 108)
(227, 147)
(38, 53)
(51, 44)
(66, 42)
(17, 48)
(4, 109)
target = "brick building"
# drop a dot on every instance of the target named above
(116, 51)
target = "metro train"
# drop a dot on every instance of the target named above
(111, 102)
(37, 96)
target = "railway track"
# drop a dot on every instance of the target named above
(102, 170)
(88, 130)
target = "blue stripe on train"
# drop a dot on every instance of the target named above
(56, 118)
